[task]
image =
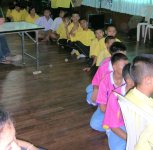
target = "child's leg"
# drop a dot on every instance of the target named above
(96, 120)
(115, 142)
(83, 49)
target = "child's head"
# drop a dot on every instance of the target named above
(62, 13)
(142, 72)
(7, 131)
(67, 19)
(17, 7)
(84, 23)
(99, 33)
(75, 17)
(47, 12)
(117, 47)
(127, 76)
(109, 40)
(118, 61)
(11, 6)
(32, 10)
(111, 30)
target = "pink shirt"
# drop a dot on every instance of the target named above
(113, 116)
(105, 68)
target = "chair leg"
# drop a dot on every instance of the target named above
(138, 33)
(146, 31)
(143, 30)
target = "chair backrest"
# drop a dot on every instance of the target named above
(149, 12)
(135, 120)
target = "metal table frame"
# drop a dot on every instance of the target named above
(22, 33)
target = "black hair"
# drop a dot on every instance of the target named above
(118, 57)
(18, 5)
(67, 16)
(99, 29)
(110, 25)
(11, 6)
(75, 12)
(108, 38)
(4, 117)
(47, 9)
(83, 19)
(116, 47)
(31, 7)
(141, 66)
(126, 71)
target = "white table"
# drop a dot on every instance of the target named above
(22, 28)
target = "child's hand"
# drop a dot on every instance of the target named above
(94, 95)
(87, 69)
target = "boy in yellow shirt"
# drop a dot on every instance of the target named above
(16, 14)
(32, 16)
(84, 39)
(142, 74)
(9, 11)
(72, 31)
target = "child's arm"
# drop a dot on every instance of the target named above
(103, 108)
(94, 93)
(120, 133)
(26, 145)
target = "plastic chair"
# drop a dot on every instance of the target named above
(149, 12)
(149, 26)
(136, 120)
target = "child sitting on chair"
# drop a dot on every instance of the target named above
(113, 120)
(111, 81)
(142, 74)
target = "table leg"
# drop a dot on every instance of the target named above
(23, 47)
(37, 52)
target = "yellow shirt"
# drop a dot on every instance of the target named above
(8, 13)
(61, 31)
(16, 16)
(85, 37)
(103, 54)
(63, 3)
(96, 47)
(54, 3)
(74, 38)
(24, 14)
(30, 19)
(146, 104)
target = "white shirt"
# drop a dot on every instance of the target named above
(56, 23)
(42, 21)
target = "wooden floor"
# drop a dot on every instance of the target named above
(50, 110)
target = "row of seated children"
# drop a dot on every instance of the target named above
(18, 13)
(80, 40)
(115, 74)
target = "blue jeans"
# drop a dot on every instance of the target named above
(97, 120)
(114, 141)
(4, 49)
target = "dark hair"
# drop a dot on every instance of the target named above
(4, 117)
(110, 25)
(118, 57)
(83, 19)
(116, 47)
(108, 38)
(18, 5)
(32, 7)
(11, 6)
(142, 66)
(47, 9)
(67, 16)
(126, 71)
(75, 12)
(99, 29)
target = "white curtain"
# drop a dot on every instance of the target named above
(133, 7)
